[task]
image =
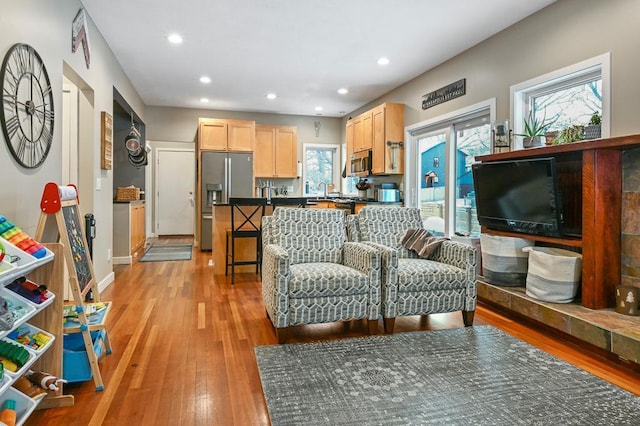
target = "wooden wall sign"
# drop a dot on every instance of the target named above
(444, 94)
(106, 140)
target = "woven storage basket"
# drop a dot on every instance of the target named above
(554, 274)
(127, 194)
(503, 261)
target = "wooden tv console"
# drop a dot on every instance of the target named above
(590, 178)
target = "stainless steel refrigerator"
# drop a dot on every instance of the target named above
(224, 175)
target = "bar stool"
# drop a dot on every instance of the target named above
(289, 201)
(246, 222)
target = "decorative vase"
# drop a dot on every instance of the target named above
(531, 142)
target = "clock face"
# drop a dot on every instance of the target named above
(27, 106)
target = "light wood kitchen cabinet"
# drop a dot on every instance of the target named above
(276, 151)
(349, 143)
(362, 132)
(226, 135)
(388, 139)
(128, 231)
(137, 227)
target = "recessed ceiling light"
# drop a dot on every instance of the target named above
(343, 91)
(204, 100)
(271, 96)
(175, 38)
(383, 61)
(204, 79)
(318, 108)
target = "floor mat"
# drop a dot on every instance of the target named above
(167, 252)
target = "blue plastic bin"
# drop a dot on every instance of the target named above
(75, 362)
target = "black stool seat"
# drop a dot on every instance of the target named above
(246, 222)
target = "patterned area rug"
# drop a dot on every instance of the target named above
(167, 252)
(468, 376)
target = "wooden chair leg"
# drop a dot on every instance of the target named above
(226, 255)
(373, 326)
(282, 334)
(388, 325)
(467, 318)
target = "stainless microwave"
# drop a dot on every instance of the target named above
(361, 163)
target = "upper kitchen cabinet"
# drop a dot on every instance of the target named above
(388, 139)
(226, 135)
(276, 152)
(350, 149)
(362, 132)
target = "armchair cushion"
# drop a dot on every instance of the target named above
(417, 275)
(326, 279)
(386, 226)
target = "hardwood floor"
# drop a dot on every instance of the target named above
(183, 344)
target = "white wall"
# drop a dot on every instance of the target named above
(562, 34)
(46, 25)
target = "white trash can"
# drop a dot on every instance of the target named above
(554, 274)
(503, 261)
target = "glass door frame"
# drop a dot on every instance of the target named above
(439, 124)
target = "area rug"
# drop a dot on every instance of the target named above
(468, 376)
(167, 252)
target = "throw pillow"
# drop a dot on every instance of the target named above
(421, 241)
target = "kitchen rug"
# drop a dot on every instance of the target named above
(167, 252)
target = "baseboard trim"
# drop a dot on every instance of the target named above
(122, 260)
(106, 282)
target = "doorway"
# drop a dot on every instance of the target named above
(175, 191)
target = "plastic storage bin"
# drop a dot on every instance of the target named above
(75, 361)
(553, 274)
(503, 261)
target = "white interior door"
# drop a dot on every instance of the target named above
(175, 201)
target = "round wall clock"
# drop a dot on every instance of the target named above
(27, 106)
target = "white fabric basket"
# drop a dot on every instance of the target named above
(554, 274)
(503, 261)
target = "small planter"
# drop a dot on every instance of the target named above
(593, 131)
(532, 142)
(550, 137)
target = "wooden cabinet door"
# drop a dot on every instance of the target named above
(137, 226)
(379, 141)
(212, 135)
(264, 158)
(241, 135)
(286, 152)
(350, 149)
(367, 131)
(358, 134)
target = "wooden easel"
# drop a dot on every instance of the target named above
(60, 221)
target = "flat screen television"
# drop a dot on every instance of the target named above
(519, 196)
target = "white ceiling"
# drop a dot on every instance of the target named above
(303, 50)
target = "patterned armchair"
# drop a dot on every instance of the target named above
(445, 282)
(311, 274)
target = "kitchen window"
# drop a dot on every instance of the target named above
(321, 169)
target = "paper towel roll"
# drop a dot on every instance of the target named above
(67, 192)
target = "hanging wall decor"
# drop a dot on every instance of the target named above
(444, 94)
(106, 140)
(80, 35)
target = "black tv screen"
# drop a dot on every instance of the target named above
(519, 196)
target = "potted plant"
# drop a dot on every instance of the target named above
(534, 130)
(593, 129)
(570, 134)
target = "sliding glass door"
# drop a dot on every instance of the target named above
(444, 180)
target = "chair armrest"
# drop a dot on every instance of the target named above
(275, 283)
(361, 257)
(367, 260)
(464, 257)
